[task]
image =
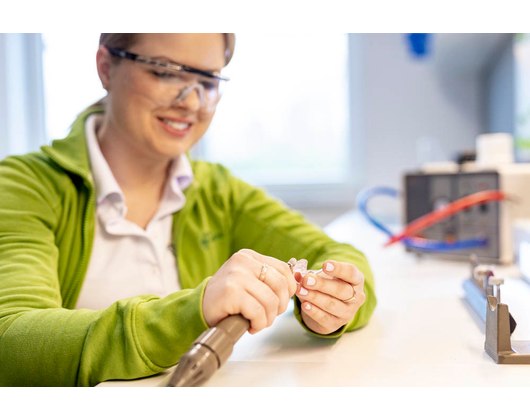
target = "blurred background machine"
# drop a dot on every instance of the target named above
(463, 208)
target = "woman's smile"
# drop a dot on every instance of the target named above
(176, 127)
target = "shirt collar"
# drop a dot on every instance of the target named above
(181, 174)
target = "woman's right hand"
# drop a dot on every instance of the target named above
(237, 289)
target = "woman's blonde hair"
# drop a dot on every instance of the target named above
(126, 41)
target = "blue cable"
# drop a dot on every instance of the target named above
(419, 244)
(362, 202)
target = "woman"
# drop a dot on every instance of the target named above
(116, 251)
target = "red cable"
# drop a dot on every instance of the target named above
(446, 211)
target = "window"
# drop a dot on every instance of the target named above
(522, 96)
(21, 98)
(283, 118)
(71, 81)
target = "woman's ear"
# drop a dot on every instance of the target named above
(104, 64)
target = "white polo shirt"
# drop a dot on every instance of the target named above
(126, 260)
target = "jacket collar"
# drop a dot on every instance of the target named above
(71, 152)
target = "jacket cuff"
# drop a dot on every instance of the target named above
(166, 327)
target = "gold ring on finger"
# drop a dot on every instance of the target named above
(263, 273)
(350, 299)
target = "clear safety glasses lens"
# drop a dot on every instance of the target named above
(176, 86)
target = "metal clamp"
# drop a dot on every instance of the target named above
(499, 322)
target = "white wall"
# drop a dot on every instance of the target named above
(405, 99)
(500, 90)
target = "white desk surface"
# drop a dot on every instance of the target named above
(422, 333)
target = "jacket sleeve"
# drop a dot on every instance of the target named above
(42, 343)
(267, 226)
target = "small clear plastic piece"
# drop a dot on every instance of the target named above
(300, 266)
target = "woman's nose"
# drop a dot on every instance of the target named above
(190, 98)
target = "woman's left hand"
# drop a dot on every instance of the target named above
(324, 309)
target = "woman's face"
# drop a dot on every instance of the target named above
(141, 109)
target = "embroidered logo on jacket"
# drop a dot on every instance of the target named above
(208, 237)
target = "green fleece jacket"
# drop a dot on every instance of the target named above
(47, 223)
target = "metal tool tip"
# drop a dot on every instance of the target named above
(195, 367)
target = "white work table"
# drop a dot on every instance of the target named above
(422, 333)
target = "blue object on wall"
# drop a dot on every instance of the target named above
(419, 44)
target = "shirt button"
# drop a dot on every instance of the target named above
(155, 270)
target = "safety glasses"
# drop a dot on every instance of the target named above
(172, 82)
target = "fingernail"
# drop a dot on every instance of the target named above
(329, 267)
(308, 306)
(303, 291)
(311, 281)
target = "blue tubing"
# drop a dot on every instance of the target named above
(415, 243)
